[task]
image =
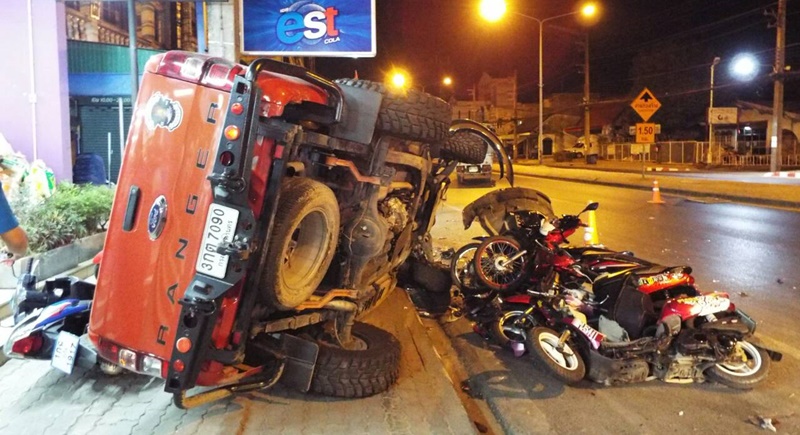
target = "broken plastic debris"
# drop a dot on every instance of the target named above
(766, 423)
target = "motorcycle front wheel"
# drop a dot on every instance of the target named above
(498, 265)
(462, 269)
(511, 327)
(746, 367)
(562, 361)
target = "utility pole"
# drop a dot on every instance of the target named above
(514, 117)
(587, 124)
(132, 50)
(777, 99)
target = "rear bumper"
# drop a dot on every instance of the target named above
(474, 176)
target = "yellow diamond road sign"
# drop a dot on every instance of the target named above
(645, 104)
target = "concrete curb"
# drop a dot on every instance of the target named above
(669, 190)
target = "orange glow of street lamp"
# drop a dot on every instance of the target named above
(589, 10)
(447, 81)
(492, 10)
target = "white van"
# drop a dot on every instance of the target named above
(480, 173)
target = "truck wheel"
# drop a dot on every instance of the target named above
(369, 367)
(302, 244)
(464, 147)
(408, 114)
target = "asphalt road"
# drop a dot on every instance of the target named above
(748, 251)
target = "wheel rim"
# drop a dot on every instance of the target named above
(510, 330)
(494, 265)
(464, 269)
(566, 359)
(306, 249)
(749, 364)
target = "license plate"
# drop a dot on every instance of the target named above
(220, 227)
(473, 169)
(65, 352)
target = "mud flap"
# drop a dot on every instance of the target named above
(301, 357)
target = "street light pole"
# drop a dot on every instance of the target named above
(493, 10)
(539, 146)
(540, 22)
(711, 106)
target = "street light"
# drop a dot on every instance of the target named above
(711, 106)
(493, 10)
(744, 66)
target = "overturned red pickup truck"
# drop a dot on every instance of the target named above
(259, 212)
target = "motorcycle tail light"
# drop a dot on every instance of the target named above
(27, 345)
(127, 359)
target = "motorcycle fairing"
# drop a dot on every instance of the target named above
(693, 306)
(492, 208)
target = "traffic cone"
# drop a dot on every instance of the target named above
(656, 194)
(590, 236)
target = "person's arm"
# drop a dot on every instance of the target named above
(13, 236)
(16, 241)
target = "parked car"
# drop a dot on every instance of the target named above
(476, 173)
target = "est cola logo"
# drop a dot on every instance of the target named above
(308, 22)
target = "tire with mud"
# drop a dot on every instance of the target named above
(408, 113)
(464, 147)
(369, 368)
(302, 244)
(745, 374)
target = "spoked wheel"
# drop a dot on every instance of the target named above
(745, 368)
(498, 264)
(562, 360)
(462, 269)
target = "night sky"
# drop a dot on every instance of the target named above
(664, 44)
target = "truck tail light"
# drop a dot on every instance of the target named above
(207, 71)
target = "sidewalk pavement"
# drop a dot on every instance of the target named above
(630, 175)
(38, 399)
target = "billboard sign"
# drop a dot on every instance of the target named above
(723, 115)
(334, 28)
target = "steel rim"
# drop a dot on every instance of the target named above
(509, 330)
(494, 263)
(750, 364)
(464, 268)
(306, 249)
(565, 359)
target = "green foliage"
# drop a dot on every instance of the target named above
(71, 212)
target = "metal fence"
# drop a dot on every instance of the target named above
(662, 152)
(688, 152)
